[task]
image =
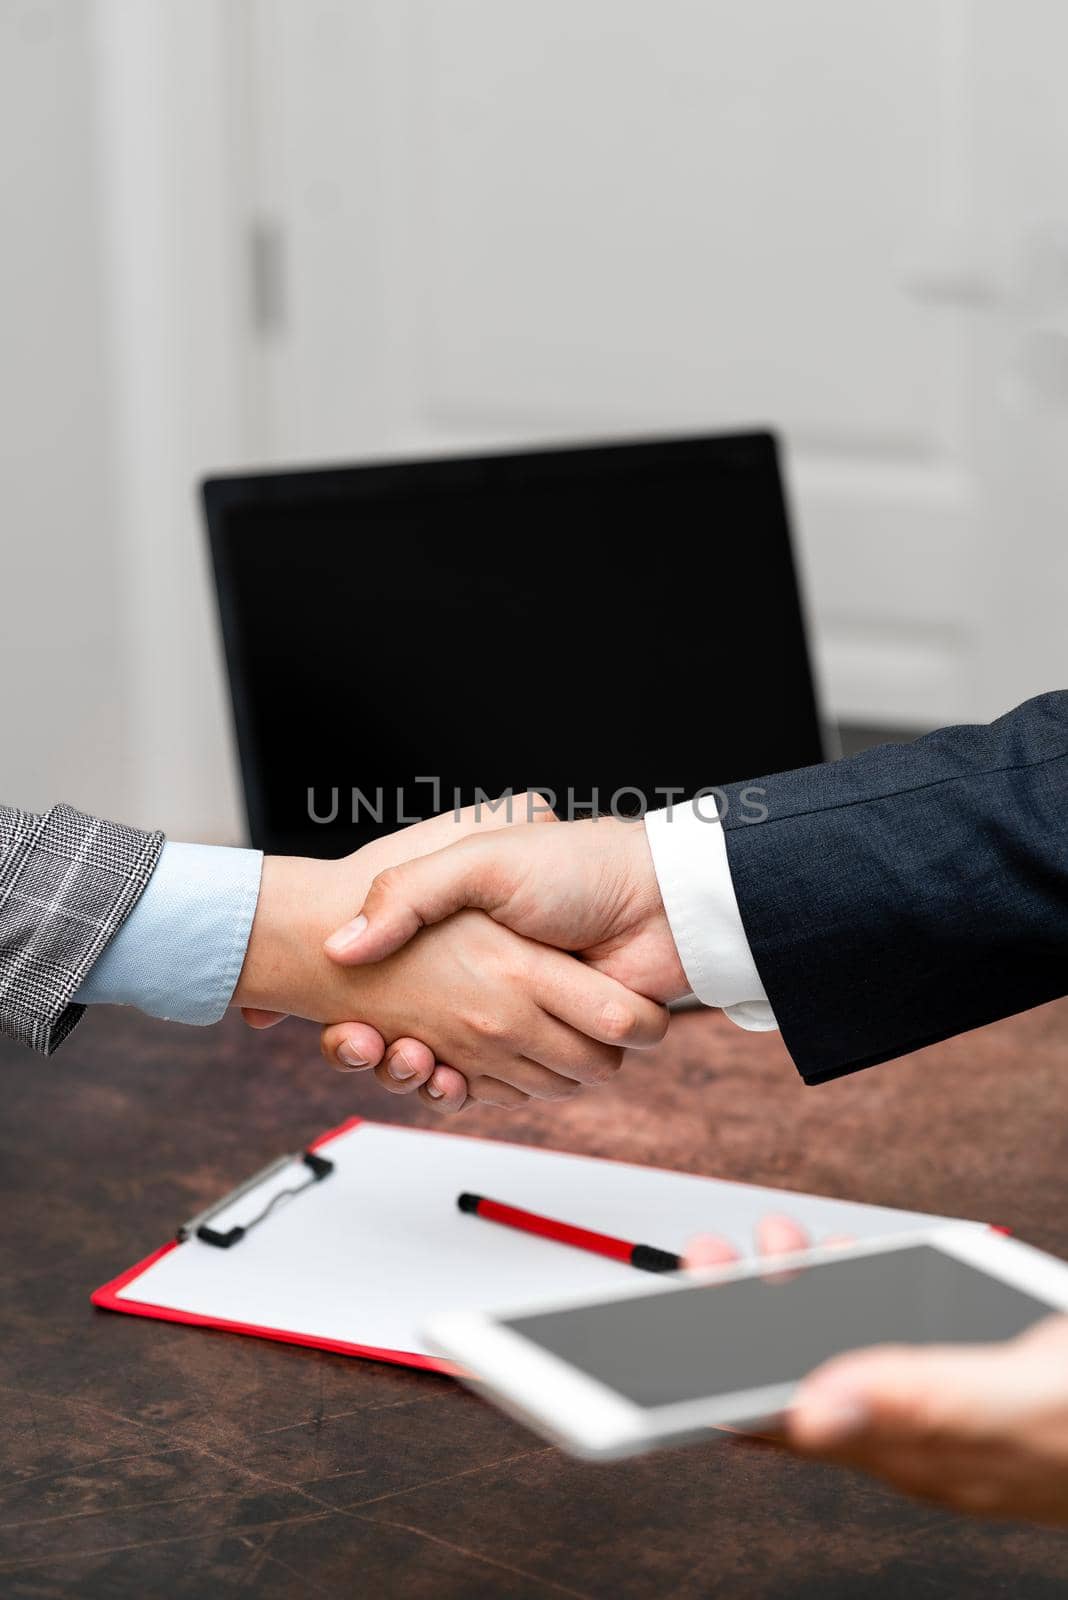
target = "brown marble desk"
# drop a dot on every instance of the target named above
(141, 1459)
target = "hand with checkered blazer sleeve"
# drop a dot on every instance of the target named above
(95, 913)
(67, 884)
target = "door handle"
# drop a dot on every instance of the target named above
(963, 290)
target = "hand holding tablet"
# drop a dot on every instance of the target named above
(967, 1406)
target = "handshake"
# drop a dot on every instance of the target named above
(493, 960)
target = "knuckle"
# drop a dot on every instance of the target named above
(617, 1021)
(486, 1025)
(497, 1025)
(539, 808)
(387, 882)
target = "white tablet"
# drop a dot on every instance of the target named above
(665, 1359)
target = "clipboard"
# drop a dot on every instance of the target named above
(354, 1244)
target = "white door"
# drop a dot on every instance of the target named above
(481, 221)
(1019, 261)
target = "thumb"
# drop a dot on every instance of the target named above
(893, 1393)
(416, 893)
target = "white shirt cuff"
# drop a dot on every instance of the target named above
(689, 853)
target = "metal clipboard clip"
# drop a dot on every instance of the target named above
(318, 1168)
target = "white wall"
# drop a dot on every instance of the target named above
(173, 213)
(502, 223)
(123, 335)
(63, 727)
(517, 223)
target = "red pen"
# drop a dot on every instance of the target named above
(644, 1256)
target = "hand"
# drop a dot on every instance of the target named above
(588, 887)
(775, 1236)
(403, 1067)
(407, 1065)
(517, 1018)
(980, 1428)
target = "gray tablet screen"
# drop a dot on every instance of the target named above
(723, 1338)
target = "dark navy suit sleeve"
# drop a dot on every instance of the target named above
(911, 892)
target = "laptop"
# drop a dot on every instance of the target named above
(614, 625)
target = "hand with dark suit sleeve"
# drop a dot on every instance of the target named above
(912, 892)
(868, 906)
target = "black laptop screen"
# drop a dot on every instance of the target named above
(606, 625)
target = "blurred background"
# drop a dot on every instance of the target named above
(247, 232)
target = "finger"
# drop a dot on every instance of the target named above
(895, 1394)
(593, 1003)
(780, 1236)
(827, 1418)
(837, 1405)
(566, 1053)
(255, 1018)
(538, 808)
(451, 827)
(488, 816)
(447, 1092)
(506, 811)
(447, 1089)
(710, 1250)
(406, 1066)
(537, 1080)
(495, 1092)
(351, 1046)
(416, 893)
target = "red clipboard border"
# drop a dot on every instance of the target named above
(107, 1296)
(107, 1299)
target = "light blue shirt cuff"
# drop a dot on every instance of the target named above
(180, 952)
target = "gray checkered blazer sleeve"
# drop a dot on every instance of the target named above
(67, 884)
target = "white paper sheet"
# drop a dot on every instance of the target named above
(370, 1254)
